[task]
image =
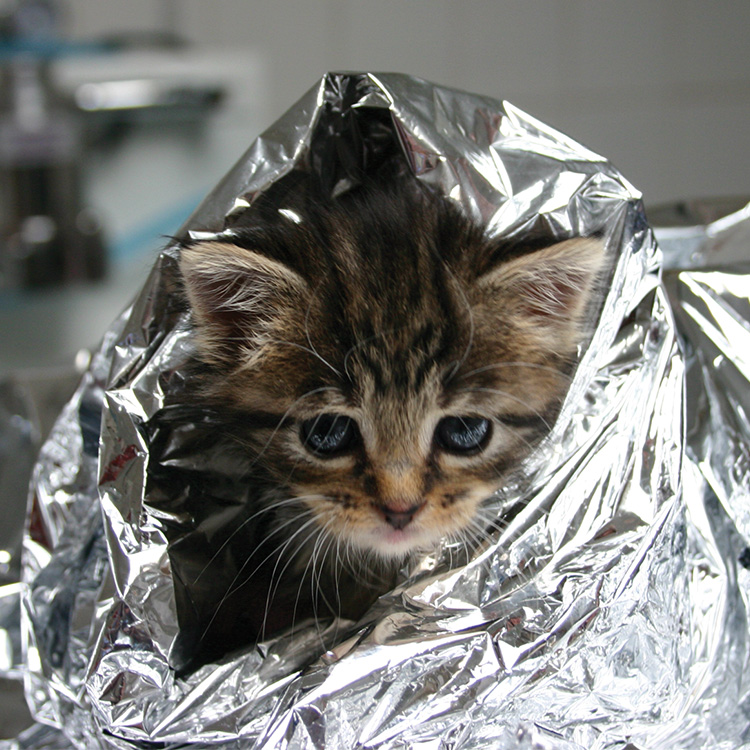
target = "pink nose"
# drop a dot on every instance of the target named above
(398, 518)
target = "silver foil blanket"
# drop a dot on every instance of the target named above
(610, 612)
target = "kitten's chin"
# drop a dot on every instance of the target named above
(395, 544)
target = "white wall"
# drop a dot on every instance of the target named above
(661, 87)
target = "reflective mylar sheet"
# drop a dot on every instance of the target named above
(610, 612)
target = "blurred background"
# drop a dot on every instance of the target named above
(116, 117)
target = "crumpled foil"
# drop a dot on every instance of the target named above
(610, 612)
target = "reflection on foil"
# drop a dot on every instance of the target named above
(608, 611)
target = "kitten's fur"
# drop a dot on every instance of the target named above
(388, 306)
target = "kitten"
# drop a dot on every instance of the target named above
(381, 367)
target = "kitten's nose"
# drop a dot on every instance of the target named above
(397, 517)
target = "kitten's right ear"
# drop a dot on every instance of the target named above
(550, 290)
(239, 298)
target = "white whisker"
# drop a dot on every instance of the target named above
(273, 587)
(267, 509)
(312, 348)
(309, 350)
(500, 392)
(523, 365)
(457, 365)
(234, 586)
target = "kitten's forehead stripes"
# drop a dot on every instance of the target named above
(401, 361)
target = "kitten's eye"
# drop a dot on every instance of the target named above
(463, 435)
(329, 434)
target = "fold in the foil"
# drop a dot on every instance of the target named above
(608, 611)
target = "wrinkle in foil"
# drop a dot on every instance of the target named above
(608, 609)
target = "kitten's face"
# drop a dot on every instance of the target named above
(392, 366)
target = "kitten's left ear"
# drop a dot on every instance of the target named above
(551, 289)
(239, 298)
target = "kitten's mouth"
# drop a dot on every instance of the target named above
(396, 543)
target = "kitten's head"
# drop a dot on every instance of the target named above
(390, 364)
